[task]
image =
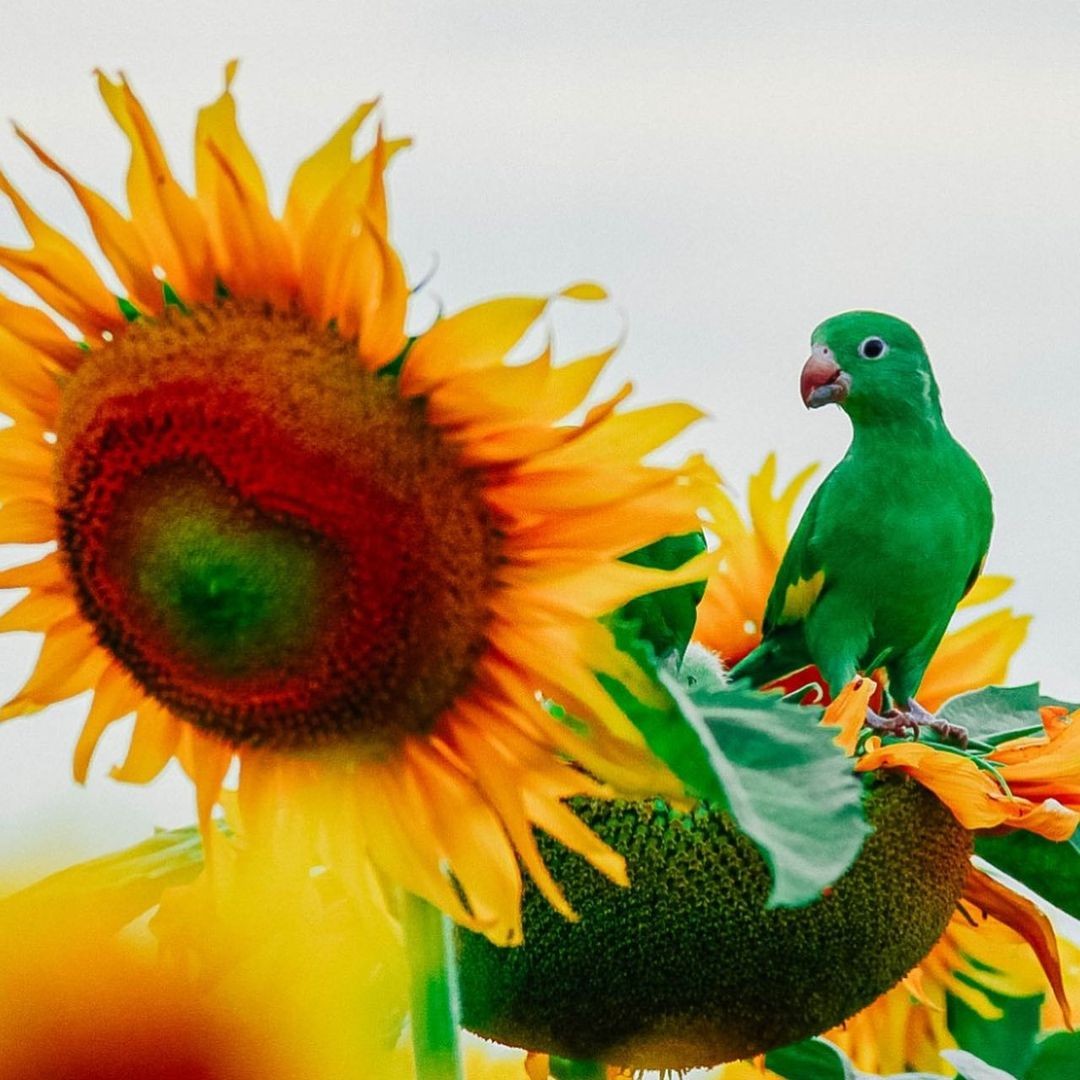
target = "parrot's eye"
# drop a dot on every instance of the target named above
(873, 348)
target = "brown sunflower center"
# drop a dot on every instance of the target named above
(275, 544)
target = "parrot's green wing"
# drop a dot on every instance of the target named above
(801, 576)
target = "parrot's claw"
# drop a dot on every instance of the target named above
(893, 722)
(945, 731)
(912, 720)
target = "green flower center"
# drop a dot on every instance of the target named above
(231, 590)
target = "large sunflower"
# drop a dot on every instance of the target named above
(289, 533)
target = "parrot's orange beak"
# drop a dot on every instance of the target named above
(823, 381)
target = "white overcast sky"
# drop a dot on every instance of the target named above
(734, 173)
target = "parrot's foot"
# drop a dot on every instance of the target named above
(893, 722)
(945, 731)
(912, 720)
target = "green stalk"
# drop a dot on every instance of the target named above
(436, 1007)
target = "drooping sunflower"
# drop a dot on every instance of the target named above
(997, 939)
(290, 533)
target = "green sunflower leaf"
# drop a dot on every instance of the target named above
(1056, 1056)
(791, 790)
(1050, 869)
(666, 618)
(816, 1059)
(813, 1059)
(996, 712)
(1007, 1042)
(768, 762)
(105, 894)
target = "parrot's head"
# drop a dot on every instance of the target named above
(873, 366)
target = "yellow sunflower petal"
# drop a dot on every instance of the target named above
(593, 592)
(771, 514)
(153, 744)
(848, 713)
(478, 337)
(250, 247)
(168, 219)
(44, 573)
(316, 177)
(975, 655)
(29, 392)
(374, 302)
(115, 696)
(608, 531)
(37, 612)
(398, 833)
(630, 435)
(987, 587)
(70, 662)
(59, 272)
(118, 238)
(326, 247)
(39, 336)
(27, 521)
(474, 843)
(206, 761)
(500, 780)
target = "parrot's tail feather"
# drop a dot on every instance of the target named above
(774, 658)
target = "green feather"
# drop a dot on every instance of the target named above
(895, 535)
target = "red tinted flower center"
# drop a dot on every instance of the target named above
(276, 545)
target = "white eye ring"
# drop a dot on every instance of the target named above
(873, 348)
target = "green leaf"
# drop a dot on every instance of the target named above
(666, 618)
(1048, 868)
(813, 1059)
(816, 1059)
(1056, 1056)
(995, 711)
(768, 762)
(680, 740)
(1045, 699)
(1005, 1043)
(107, 893)
(969, 1067)
(791, 790)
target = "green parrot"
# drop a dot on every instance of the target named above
(893, 538)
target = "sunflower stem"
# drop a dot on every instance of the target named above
(435, 1002)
